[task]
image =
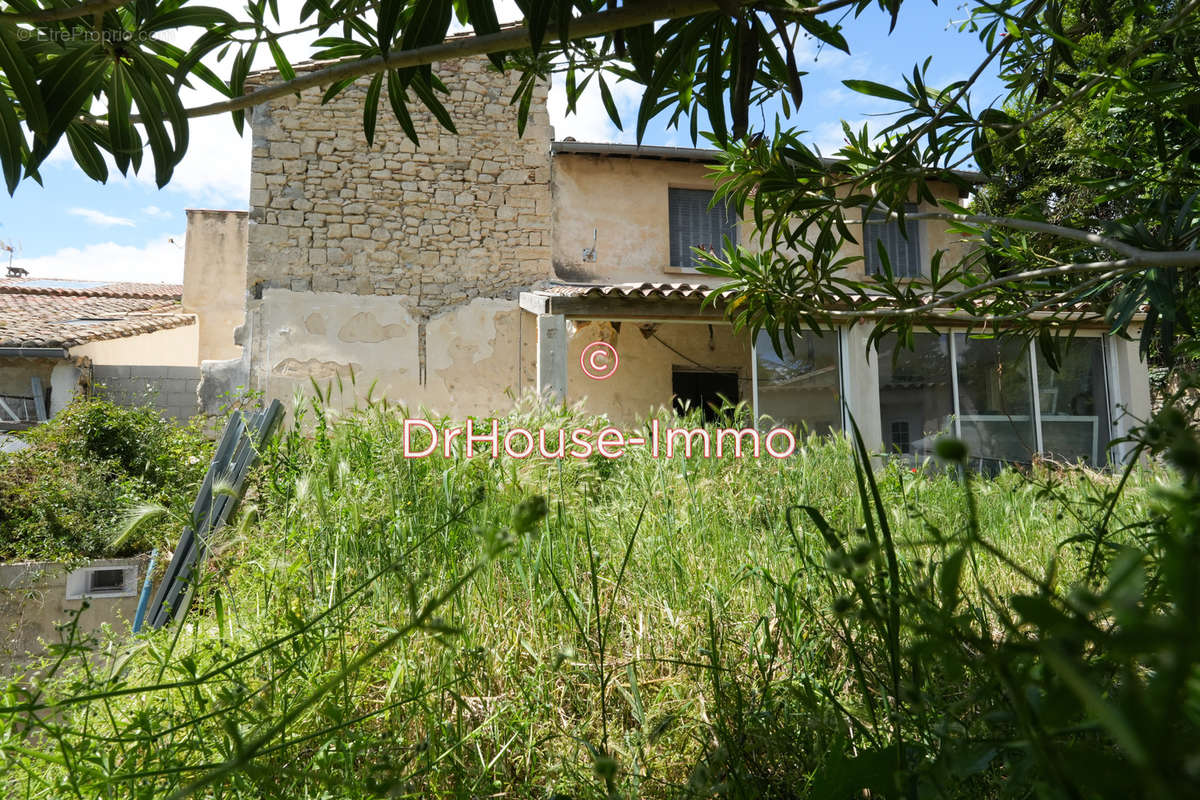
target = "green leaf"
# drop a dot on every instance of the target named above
(428, 24)
(874, 89)
(483, 20)
(389, 16)
(431, 102)
(86, 154)
(124, 141)
(12, 145)
(371, 107)
(19, 73)
(152, 111)
(823, 31)
(68, 83)
(949, 578)
(400, 107)
(609, 105)
(281, 61)
(537, 18)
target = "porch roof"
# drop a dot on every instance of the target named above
(685, 302)
(657, 301)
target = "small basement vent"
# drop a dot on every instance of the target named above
(103, 581)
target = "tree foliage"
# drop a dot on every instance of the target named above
(1085, 196)
(1089, 210)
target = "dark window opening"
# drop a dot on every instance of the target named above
(706, 390)
(106, 581)
(694, 224)
(900, 437)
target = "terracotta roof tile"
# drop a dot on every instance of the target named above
(60, 287)
(62, 313)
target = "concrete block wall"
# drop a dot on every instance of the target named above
(170, 389)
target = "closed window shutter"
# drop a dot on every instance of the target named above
(694, 224)
(904, 254)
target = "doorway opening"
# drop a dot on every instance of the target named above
(705, 389)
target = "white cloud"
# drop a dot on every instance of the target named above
(155, 211)
(590, 122)
(216, 169)
(100, 218)
(159, 260)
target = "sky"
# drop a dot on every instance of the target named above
(128, 229)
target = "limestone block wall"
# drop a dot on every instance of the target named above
(419, 241)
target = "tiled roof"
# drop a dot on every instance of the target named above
(39, 312)
(633, 291)
(62, 287)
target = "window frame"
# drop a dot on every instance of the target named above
(734, 227)
(1108, 455)
(918, 244)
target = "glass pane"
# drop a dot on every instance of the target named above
(801, 387)
(916, 402)
(1074, 404)
(994, 399)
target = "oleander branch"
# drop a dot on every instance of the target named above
(85, 9)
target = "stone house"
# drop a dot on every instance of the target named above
(454, 274)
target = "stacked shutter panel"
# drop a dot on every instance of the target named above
(903, 253)
(694, 224)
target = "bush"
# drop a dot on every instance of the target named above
(63, 497)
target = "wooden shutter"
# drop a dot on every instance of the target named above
(903, 253)
(694, 224)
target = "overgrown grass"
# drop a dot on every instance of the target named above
(382, 626)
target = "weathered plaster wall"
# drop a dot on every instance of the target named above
(471, 352)
(623, 201)
(174, 347)
(214, 279)
(643, 379)
(33, 600)
(410, 256)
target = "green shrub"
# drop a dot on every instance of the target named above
(64, 496)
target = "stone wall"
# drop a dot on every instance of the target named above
(172, 390)
(431, 230)
(455, 217)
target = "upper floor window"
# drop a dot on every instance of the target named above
(694, 224)
(903, 248)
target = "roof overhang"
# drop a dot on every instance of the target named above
(683, 302)
(33, 352)
(695, 155)
(645, 302)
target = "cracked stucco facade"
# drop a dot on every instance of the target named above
(396, 261)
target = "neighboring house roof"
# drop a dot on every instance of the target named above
(42, 312)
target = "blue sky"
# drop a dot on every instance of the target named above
(128, 229)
